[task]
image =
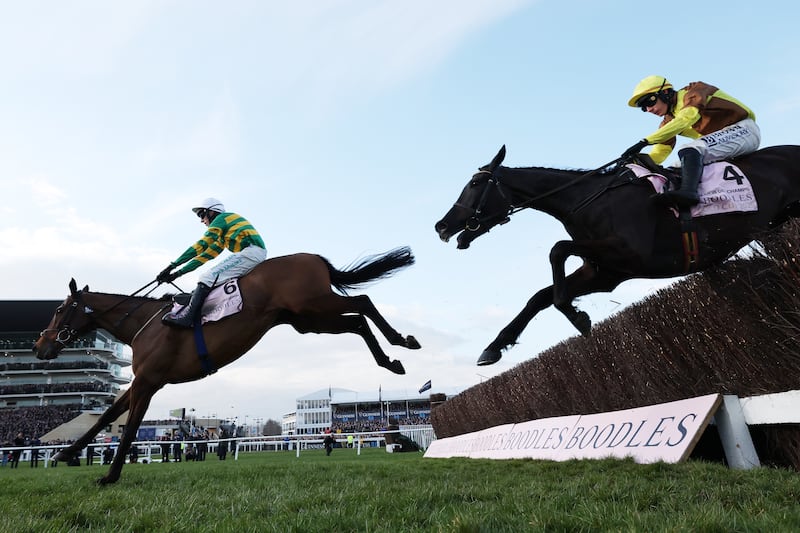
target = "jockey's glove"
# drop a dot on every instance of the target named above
(166, 275)
(635, 149)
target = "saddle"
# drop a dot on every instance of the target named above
(672, 174)
(182, 298)
(224, 300)
(723, 188)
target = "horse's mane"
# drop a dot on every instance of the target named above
(606, 171)
(164, 298)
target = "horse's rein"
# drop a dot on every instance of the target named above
(149, 320)
(67, 333)
(474, 222)
(570, 183)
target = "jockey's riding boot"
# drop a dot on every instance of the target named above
(185, 317)
(691, 171)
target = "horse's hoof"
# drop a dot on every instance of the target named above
(489, 357)
(395, 366)
(412, 344)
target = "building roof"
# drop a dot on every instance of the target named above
(26, 315)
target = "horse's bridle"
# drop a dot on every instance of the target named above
(476, 220)
(67, 333)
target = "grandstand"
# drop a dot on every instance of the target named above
(38, 396)
(343, 410)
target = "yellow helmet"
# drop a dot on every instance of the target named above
(649, 85)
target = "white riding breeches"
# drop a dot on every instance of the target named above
(737, 139)
(234, 266)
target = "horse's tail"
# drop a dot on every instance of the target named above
(371, 268)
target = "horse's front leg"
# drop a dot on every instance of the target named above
(509, 334)
(140, 397)
(585, 280)
(112, 413)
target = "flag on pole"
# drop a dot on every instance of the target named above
(425, 387)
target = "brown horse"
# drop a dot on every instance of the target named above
(294, 290)
(615, 228)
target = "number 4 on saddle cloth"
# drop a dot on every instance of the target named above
(723, 189)
(224, 300)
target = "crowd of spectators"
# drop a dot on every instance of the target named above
(188, 443)
(363, 426)
(17, 344)
(33, 422)
(43, 388)
(53, 365)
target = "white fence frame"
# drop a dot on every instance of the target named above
(423, 436)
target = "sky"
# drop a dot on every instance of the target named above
(343, 128)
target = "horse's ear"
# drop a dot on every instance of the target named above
(73, 287)
(85, 288)
(498, 158)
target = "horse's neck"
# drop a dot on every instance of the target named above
(122, 316)
(552, 191)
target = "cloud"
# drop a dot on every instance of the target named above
(401, 40)
(68, 39)
(348, 50)
(213, 139)
(48, 240)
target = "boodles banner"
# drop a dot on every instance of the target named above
(665, 432)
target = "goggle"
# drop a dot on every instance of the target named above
(648, 100)
(201, 213)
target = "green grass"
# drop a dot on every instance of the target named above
(376, 491)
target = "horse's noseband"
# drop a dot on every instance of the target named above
(67, 332)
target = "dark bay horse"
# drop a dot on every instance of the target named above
(294, 290)
(615, 227)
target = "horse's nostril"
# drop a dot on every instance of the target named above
(440, 226)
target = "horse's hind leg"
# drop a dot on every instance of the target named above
(112, 413)
(347, 324)
(362, 305)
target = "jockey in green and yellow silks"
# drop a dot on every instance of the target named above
(225, 231)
